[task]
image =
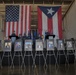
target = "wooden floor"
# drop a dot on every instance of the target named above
(49, 70)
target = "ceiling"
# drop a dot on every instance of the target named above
(37, 1)
(64, 3)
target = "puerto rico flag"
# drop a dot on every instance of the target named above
(17, 19)
(50, 19)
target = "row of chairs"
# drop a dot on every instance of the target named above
(62, 49)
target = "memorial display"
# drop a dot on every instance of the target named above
(69, 45)
(60, 44)
(18, 45)
(50, 44)
(7, 45)
(39, 45)
(28, 45)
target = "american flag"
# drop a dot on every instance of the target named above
(17, 19)
(50, 19)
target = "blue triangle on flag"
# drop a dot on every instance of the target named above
(49, 11)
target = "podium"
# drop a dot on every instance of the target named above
(52, 36)
(13, 38)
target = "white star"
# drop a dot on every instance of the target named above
(50, 11)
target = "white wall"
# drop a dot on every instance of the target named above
(69, 22)
(1, 35)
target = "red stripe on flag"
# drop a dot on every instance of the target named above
(39, 21)
(8, 29)
(60, 23)
(19, 23)
(26, 18)
(50, 26)
(23, 28)
(4, 29)
(21, 19)
(17, 28)
(28, 10)
(12, 27)
(29, 19)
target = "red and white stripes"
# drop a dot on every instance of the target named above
(23, 25)
(52, 25)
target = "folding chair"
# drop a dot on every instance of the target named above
(61, 50)
(7, 50)
(28, 52)
(70, 52)
(17, 53)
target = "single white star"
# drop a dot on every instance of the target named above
(50, 11)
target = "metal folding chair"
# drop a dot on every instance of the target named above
(18, 52)
(7, 49)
